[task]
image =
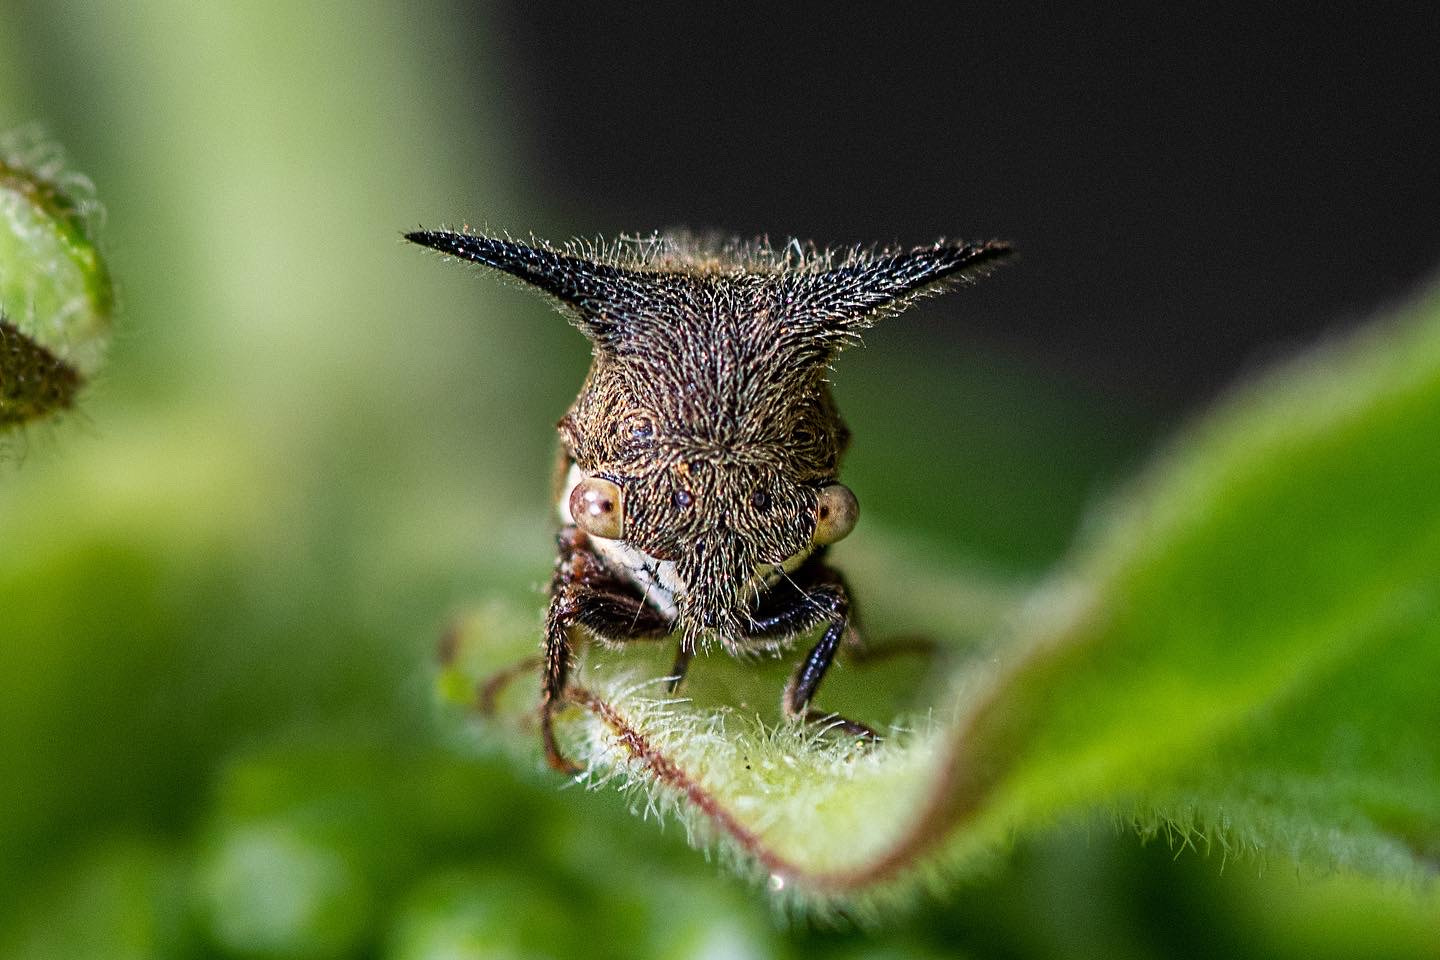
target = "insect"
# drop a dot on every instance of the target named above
(699, 486)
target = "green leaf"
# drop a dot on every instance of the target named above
(116, 899)
(1244, 652)
(56, 298)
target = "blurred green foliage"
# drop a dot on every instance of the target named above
(222, 581)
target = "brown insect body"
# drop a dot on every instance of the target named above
(701, 459)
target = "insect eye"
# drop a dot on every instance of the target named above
(683, 498)
(598, 508)
(640, 427)
(836, 511)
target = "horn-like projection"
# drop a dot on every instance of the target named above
(852, 297)
(611, 304)
(584, 286)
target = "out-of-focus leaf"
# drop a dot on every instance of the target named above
(117, 900)
(1244, 651)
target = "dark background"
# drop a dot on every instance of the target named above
(1192, 191)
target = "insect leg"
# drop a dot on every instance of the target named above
(557, 671)
(683, 656)
(854, 646)
(583, 594)
(814, 594)
(488, 692)
(806, 679)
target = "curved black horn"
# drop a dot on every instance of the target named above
(582, 285)
(852, 297)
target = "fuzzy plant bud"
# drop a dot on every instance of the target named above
(56, 297)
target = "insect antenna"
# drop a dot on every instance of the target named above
(803, 592)
(640, 609)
